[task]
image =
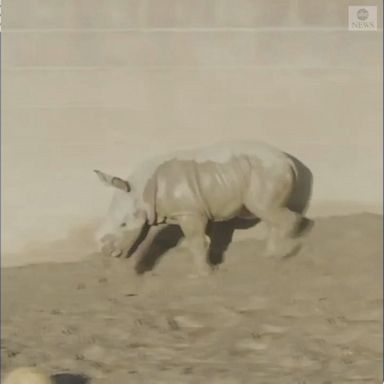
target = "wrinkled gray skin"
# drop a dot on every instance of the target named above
(254, 180)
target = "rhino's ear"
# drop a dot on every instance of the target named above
(113, 181)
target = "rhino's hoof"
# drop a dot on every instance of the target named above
(287, 249)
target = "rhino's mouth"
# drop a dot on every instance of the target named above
(126, 246)
(110, 250)
(116, 253)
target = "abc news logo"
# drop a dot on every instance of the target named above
(362, 18)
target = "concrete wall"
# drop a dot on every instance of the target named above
(89, 84)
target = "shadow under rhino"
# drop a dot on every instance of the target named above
(221, 233)
(69, 378)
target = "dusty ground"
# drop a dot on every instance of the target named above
(312, 319)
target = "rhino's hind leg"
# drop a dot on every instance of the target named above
(267, 201)
(193, 227)
(283, 226)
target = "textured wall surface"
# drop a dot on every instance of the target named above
(102, 84)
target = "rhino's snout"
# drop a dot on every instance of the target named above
(109, 250)
(115, 244)
(117, 253)
(108, 246)
(107, 239)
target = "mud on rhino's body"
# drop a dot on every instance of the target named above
(192, 187)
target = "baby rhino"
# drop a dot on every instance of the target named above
(190, 188)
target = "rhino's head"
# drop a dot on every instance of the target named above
(125, 219)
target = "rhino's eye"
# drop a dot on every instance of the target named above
(123, 224)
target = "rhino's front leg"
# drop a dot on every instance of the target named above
(146, 243)
(193, 227)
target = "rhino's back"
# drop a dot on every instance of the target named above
(205, 180)
(207, 187)
(221, 152)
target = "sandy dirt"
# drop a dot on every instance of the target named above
(314, 318)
